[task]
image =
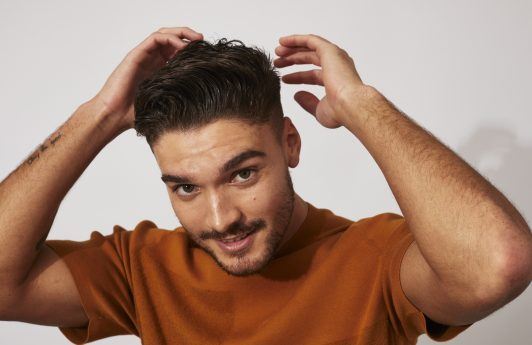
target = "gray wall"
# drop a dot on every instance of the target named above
(461, 70)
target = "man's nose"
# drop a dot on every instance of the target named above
(223, 213)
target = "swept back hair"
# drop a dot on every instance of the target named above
(205, 82)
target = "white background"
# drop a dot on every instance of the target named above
(460, 69)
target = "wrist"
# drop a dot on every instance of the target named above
(107, 122)
(354, 105)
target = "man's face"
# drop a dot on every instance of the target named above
(227, 179)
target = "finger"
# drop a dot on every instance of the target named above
(300, 58)
(307, 101)
(312, 77)
(313, 42)
(182, 32)
(155, 50)
(283, 51)
(158, 42)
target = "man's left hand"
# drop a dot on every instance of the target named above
(337, 74)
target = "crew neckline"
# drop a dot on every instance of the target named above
(306, 231)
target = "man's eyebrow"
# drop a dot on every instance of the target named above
(229, 165)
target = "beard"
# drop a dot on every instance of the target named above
(281, 220)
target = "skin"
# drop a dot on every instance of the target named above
(472, 251)
(256, 194)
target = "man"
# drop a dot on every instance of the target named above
(253, 263)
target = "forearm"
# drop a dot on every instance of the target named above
(466, 230)
(30, 196)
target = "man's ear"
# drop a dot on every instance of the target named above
(291, 143)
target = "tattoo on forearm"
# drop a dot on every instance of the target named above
(43, 147)
(56, 138)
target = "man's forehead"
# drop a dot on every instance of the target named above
(215, 142)
(212, 135)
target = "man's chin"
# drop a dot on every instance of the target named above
(244, 265)
(241, 272)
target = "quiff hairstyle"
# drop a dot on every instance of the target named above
(205, 82)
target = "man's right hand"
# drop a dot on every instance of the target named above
(117, 95)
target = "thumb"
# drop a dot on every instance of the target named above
(307, 101)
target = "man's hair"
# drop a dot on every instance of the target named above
(205, 82)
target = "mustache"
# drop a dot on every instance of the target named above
(236, 229)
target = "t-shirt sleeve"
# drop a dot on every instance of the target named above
(100, 270)
(405, 317)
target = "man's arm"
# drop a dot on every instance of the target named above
(31, 275)
(473, 250)
(472, 247)
(30, 197)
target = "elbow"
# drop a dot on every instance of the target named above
(517, 270)
(513, 274)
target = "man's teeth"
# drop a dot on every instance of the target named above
(234, 239)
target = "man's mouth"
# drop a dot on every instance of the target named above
(236, 238)
(236, 244)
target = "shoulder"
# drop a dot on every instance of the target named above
(146, 233)
(379, 229)
(120, 240)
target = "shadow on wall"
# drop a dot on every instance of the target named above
(496, 153)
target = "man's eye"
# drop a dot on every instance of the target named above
(186, 188)
(245, 174)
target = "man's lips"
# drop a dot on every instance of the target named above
(231, 239)
(238, 245)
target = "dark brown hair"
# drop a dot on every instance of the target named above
(205, 82)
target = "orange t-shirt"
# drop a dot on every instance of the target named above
(335, 281)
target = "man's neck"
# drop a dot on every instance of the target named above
(298, 216)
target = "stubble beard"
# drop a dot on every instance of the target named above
(280, 223)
